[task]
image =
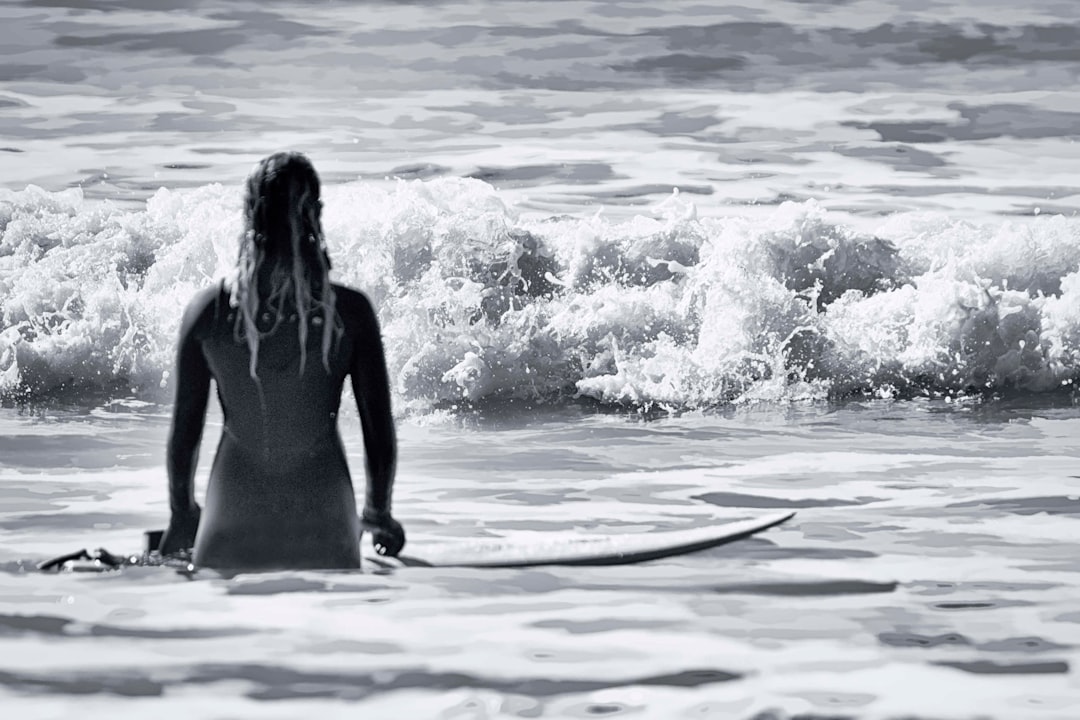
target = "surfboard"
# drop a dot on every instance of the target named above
(572, 548)
(544, 548)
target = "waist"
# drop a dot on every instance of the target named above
(284, 444)
(286, 483)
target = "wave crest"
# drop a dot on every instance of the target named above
(478, 304)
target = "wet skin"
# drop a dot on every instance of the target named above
(280, 494)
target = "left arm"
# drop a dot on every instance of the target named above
(189, 416)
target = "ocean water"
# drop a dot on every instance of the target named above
(638, 266)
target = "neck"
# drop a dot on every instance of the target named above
(268, 279)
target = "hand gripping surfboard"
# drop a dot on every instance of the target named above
(572, 548)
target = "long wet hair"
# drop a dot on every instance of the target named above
(283, 230)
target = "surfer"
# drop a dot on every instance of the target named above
(279, 340)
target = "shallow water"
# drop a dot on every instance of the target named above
(930, 572)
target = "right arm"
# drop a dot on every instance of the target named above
(371, 388)
(189, 414)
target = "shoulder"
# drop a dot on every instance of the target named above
(351, 298)
(354, 307)
(200, 311)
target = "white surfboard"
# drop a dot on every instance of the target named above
(571, 548)
(546, 548)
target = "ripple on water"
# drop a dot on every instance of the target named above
(948, 588)
(952, 639)
(54, 625)
(808, 589)
(275, 682)
(287, 584)
(980, 604)
(1049, 504)
(587, 627)
(761, 549)
(1022, 645)
(988, 667)
(730, 499)
(910, 639)
(73, 521)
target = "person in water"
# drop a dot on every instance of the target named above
(279, 340)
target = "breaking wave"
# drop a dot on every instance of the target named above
(665, 310)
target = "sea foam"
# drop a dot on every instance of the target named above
(478, 302)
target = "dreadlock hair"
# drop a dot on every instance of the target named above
(283, 231)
